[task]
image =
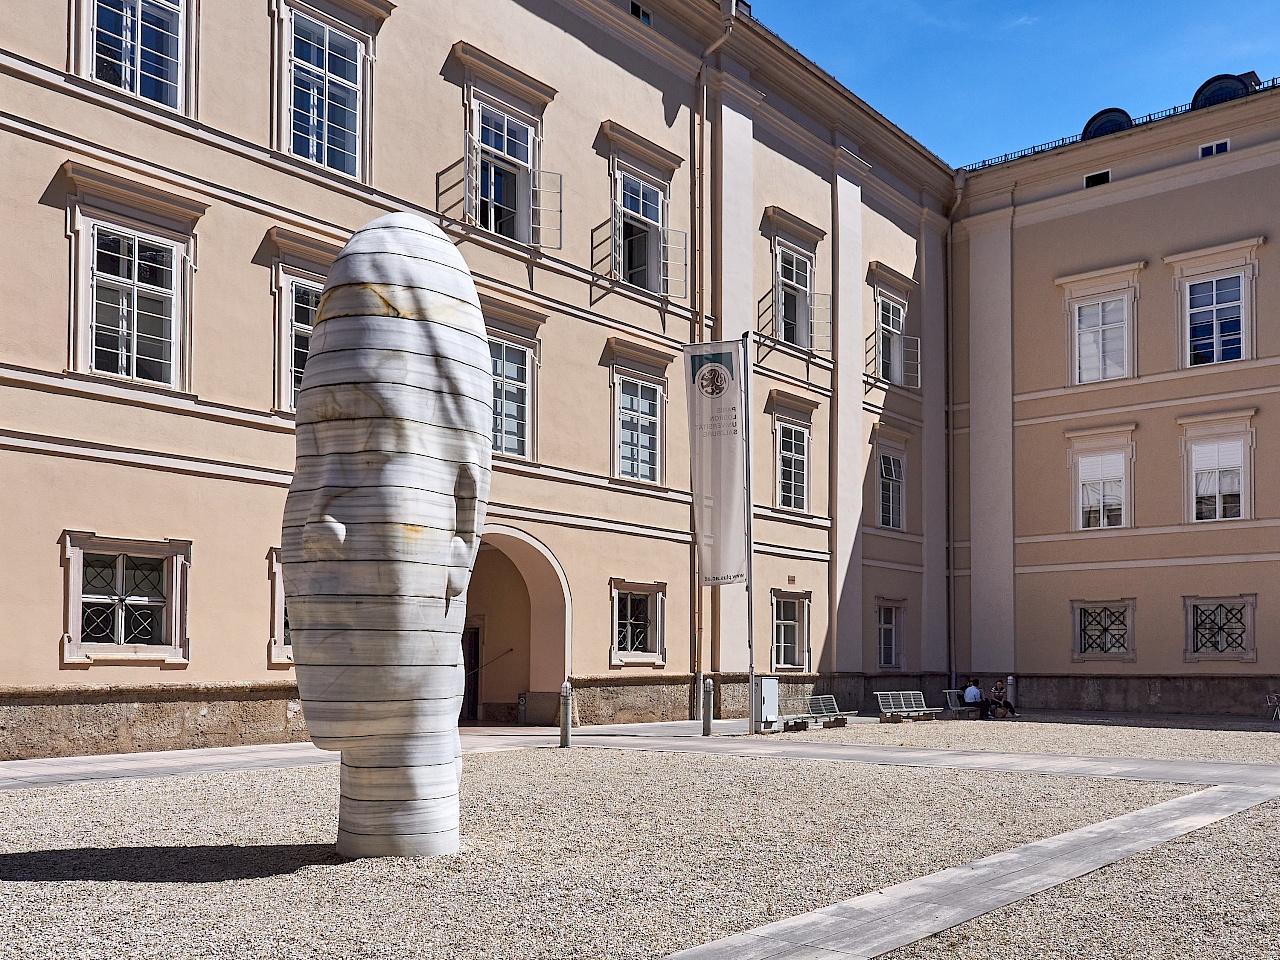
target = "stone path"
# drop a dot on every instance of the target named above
(856, 929)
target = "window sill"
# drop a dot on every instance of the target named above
(641, 484)
(149, 386)
(357, 178)
(280, 659)
(89, 653)
(1197, 523)
(1127, 656)
(653, 660)
(789, 669)
(1243, 656)
(111, 90)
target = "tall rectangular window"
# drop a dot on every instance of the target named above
(325, 67)
(890, 491)
(638, 615)
(1214, 320)
(642, 221)
(305, 302)
(510, 398)
(1218, 477)
(888, 622)
(793, 466)
(1101, 340)
(506, 159)
(639, 418)
(1102, 490)
(892, 314)
(137, 46)
(134, 280)
(790, 631)
(795, 285)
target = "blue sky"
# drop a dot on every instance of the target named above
(971, 79)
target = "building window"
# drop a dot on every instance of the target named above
(1220, 628)
(638, 615)
(1213, 149)
(646, 254)
(1101, 340)
(1214, 320)
(134, 295)
(795, 271)
(126, 599)
(1103, 630)
(641, 14)
(280, 651)
(1097, 179)
(508, 192)
(305, 300)
(790, 631)
(793, 466)
(1218, 479)
(897, 356)
(890, 491)
(638, 428)
(511, 377)
(326, 80)
(888, 626)
(138, 47)
(1102, 499)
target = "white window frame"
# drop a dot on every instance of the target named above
(1112, 441)
(803, 293)
(1078, 608)
(1100, 469)
(668, 249)
(288, 279)
(1247, 654)
(620, 374)
(83, 54)
(176, 555)
(356, 27)
(804, 605)
(530, 350)
(782, 423)
(899, 612)
(1239, 258)
(1213, 146)
(1228, 427)
(657, 655)
(280, 646)
(899, 456)
(1101, 303)
(1099, 286)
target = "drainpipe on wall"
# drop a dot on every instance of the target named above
(951, 579)
(729, 13)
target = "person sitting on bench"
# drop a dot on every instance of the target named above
(973, 695)
(1000, 698)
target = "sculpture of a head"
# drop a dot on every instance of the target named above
(382, 525)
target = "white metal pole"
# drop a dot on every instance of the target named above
(754, 725)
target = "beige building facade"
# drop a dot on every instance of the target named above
(622, 179)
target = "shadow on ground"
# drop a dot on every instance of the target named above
(166, 864)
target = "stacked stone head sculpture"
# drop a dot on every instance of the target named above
(381, 529)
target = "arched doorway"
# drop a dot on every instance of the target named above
(520, 628)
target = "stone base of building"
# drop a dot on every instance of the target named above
(84, 720)
(1207, 695)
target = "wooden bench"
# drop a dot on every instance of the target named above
(818, 708)
(962, 710)
(897, 705)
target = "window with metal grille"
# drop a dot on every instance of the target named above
(790, 631)
(1218, 475)
(1101, 340)
(326, 69)
(510, 398)
(638, 614)
(890, 491)
(137, 46)
(888, 622)
(122, 600)
(1103, 630)
(639, 419)
(306, 300)
(793, 466)
(1214, 320)
(1219, 628)
(1102, 500)
(134, 298)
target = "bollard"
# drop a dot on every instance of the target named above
(708, 705)
(1008, 682)
(566, 708)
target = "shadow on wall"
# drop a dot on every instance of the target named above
(166, 864)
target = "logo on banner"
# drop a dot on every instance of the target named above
(712, 373)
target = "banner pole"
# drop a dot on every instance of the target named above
(754, 714)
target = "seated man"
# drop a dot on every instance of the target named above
(1000, 698)
(973, 695)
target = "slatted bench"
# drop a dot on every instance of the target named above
(959, 708)
(818, 708)
(897, 705)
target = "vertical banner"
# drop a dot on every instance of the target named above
(715, 384)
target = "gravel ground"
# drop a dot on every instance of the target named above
(567, 854)
(1210, 894)
(1072, 739)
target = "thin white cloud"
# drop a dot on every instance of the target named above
(1023, 21)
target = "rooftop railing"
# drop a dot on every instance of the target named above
(1138, 122)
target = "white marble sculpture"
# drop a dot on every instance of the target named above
(381, 529)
